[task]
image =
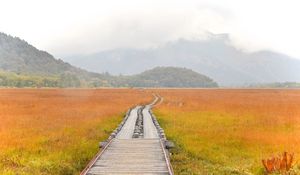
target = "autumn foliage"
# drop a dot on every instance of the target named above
(281, 163)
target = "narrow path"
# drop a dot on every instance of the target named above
(127, 154)
(150, 130)
(128, 128)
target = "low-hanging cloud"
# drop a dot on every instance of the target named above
(82, 27)
(142, 29)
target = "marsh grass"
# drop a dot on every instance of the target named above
(57, 131)
(67, 153)
(228, 131)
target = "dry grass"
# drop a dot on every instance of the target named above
(229, 131)
(279, 164)
(56, 131)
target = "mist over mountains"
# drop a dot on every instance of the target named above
(16, 55)
(213, 57)
(204, 63)
(23, 65)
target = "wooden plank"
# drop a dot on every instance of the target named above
(134, 156)
(126, 155)
(150, 130)
(128, 128)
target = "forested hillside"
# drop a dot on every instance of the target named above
(22, 65)
(214, 57)
(157, 77)
(18, 56)
(169, 77)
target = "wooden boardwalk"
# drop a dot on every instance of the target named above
(126, 155)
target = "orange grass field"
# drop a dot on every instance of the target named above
(216, 131)
(229, 131)
(48, 131)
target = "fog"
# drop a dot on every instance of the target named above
(67, 28)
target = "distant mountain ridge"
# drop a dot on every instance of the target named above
(22, 65)
(214, 57)
(16, 55)
(167, 77)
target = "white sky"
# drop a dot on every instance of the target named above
(67, 27)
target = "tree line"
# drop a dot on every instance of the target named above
(9, 79)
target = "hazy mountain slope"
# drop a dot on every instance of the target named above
(167, 77)
(213, 57)
(22, 65)
(18, 56)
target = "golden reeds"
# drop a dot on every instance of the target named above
(281, 163)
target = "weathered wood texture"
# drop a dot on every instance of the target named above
(131, 156)
(150, 130)
(127, 155)
(127, 130)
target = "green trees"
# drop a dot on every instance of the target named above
(157, 77)
(9, 79)
(170, 77)
(69, 79)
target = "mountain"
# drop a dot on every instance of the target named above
(214, 57)
(18, 56)
(167, 77)
(22, 65)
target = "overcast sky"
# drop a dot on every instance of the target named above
(65, 27)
